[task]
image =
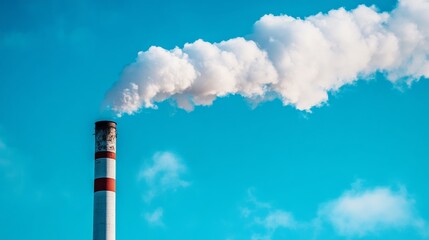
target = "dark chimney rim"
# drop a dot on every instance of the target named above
(105, 124)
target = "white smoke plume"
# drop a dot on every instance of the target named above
(298, 61)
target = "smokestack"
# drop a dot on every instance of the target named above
(105, 181)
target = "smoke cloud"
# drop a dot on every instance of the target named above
(298, 61)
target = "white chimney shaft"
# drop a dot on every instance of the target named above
(105, 181)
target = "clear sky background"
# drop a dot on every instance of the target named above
(355, 168)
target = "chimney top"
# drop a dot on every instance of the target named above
(105, 124)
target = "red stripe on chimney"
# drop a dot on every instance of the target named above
(105, 154)
(105, 184)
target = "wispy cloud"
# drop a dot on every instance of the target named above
(3, 153)
(277, 219)
(361, 212)
(16, 175)
(274, 220)
(2, 145)
(15, 39)
(155, 218)
(10, 169)
(164, 173)
(358, 212)
(266, 217)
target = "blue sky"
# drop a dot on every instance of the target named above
(356, 167)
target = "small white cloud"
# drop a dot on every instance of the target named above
(163, 174)
(274, 220)
(254, 201)
(357, 212)
(262, 214)
(279, 219)
(155, 218)
(245, 212)
(260, 237)
(362, 212)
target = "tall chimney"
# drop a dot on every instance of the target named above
(105, 181)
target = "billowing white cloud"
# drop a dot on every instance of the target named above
(155, 218)
(298, 61)
(363, 212)
(164, 173)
